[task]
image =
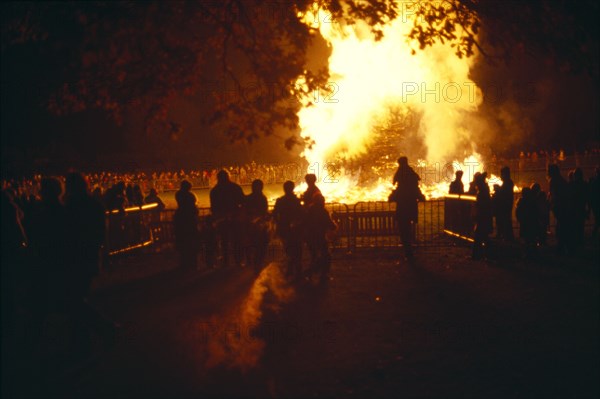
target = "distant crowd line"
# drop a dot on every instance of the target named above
(536, 160)
(206, 177)
(161, 181)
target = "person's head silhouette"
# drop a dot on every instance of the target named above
(553, 170)
(310, 179)
(458, 174)
(50, 189)
(257, 186)
(222, 176)
(75, 185)
(479, 179)
(403, 161)
(288, 187)
(185, 185)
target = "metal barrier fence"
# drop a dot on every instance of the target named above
(130, 228)
(374, 224)
(363, 225)
(458, 216)
(360, 226)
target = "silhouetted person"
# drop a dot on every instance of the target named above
(288, 215)
(407, 195)
(13, 259)
(86, 228)
(543, 215)
(137, 197)
(226, 200)
(457, 186)
(129, 194)
(153, 198)
(185, 224)
(473, 184)
(208, 238)
(594, 195)
(527, 214)
(115, 198)
(318, 223)
(579, 195)
(257, 234)
(560, 204)
(454, 209)
(312, 191)
(503, 204)
(48, 240)
(97, 195)
(482, 217)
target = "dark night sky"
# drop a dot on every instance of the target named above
(539, 106)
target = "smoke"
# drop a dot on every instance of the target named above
(369, 76)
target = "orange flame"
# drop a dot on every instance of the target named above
(367, 77)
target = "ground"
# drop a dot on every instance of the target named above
(441, 326)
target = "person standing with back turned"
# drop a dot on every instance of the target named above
(406, 195)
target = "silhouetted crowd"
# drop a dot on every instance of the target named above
(168, 180)
(52, 249)
(52, 242)
(572, 201)
(50, 254)
(540, 159)
(238, 228)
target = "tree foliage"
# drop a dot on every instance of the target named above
(129, 55)
(561, 31)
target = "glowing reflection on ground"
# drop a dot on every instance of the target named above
(233, 342)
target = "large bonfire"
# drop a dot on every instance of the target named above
(383, 100)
